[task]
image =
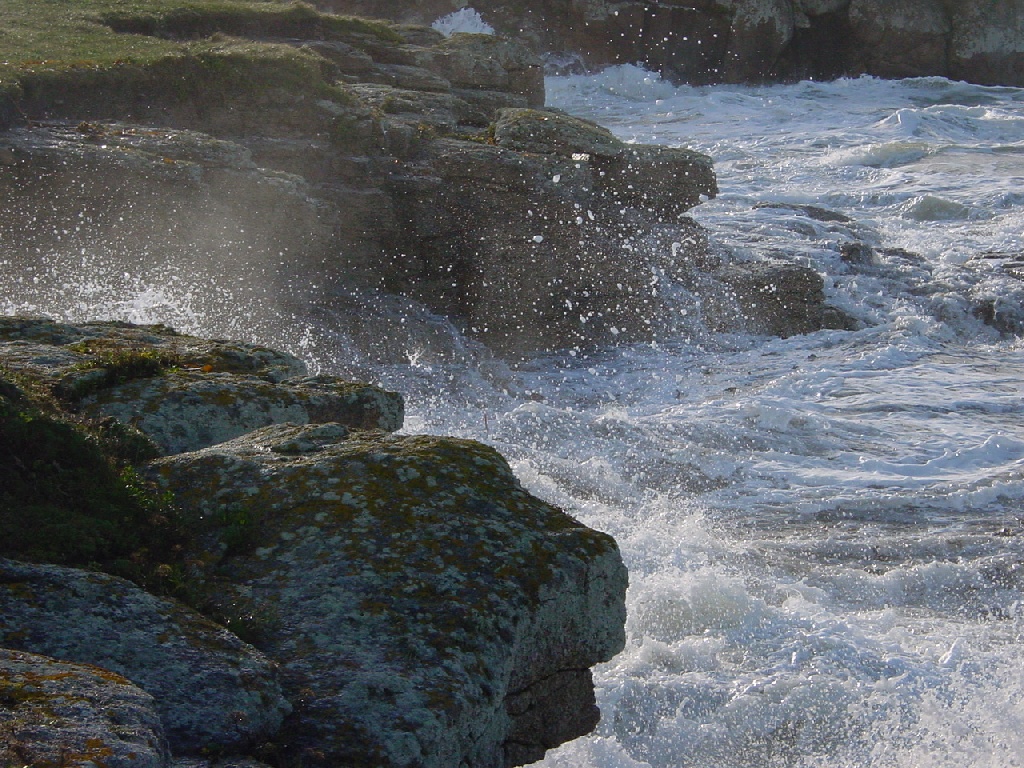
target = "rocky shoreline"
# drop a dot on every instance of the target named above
(738, 41)
(406, 601)
(354, 596)
(406, 163)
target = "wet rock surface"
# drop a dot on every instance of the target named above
(408, 164)
(183, 392)
(710, 41)
(411, 603)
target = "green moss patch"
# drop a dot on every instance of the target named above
(177, 20)
(66, 57)
(68, 496)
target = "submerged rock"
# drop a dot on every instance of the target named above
(59, 713)
(425, 609)
(210, 689)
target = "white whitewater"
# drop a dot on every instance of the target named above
(824, 533)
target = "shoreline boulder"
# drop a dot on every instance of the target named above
(425, 610)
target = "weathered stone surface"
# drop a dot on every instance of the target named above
(187, 411)
(760, 32)
(486, 62)
(988, 42)
(531, 130)
(197, 207)
(900, 38)
(428, 611)
(774, 298)
(183, 392)
(56, 713)
(665, 181)
(549, 214)
(209, 687)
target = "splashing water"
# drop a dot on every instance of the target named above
(463, 20)
(824, 532)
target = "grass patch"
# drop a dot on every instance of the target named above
(70, 494)
(128, 51)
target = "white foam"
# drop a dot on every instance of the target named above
(463, 20)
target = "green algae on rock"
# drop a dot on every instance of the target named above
(63, 497)
(427, 603)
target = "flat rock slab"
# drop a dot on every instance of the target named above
(63, 714)
(425, 609)
(210, 688)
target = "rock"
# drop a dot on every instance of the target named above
(486, 62)
(760, 32)
(859, 255)
(665, 181)
(775, 298)
(553, 133)
(987, 44)
(548, 214)
(185, 393)
(187, 411)
(59, 713)
(428, 611)
(227, 762)
(196, 206)
(899, 38)
(209, 688)
(708, 41)
(810, 211)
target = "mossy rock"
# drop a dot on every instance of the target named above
(63, 500)
(551, 132)
(56, 714)
(417, 585)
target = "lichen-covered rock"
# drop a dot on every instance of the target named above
(56, 713)
(427, 610)
(183, 392)
(486, 62)
(187, 411)
(210, 688)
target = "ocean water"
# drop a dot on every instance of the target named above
(825, 533)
